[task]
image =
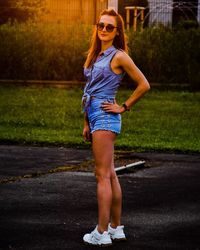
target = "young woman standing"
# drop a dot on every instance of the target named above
(106, 63)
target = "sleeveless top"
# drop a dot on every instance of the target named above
(102, 82)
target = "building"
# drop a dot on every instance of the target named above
(164, 11)
(171, 12)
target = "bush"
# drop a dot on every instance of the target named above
(56, 52)
(43, 51)
(166, 55)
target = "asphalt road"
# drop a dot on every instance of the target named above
(161, 203)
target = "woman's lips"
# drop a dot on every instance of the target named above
(103, 34)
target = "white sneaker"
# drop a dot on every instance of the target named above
(117, 234)
(98, 239)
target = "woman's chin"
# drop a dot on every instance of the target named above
(104, 39)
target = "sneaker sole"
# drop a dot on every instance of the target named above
(102, 245)
(119, 240)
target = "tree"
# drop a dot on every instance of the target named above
(21, 10)
(31, 8)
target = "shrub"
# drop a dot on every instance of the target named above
(56, 52)
(42, 51)
(166, 55)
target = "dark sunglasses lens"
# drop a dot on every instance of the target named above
(100, 26)
(110, 28)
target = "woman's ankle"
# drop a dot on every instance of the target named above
(101, 229)
(114, 225)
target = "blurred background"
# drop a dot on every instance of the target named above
(87, 11)
(47, 39)
(44, 43)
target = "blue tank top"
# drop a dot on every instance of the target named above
(102, 82)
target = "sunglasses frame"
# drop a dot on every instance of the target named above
(105, 26)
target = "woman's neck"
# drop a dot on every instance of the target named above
(105, 46)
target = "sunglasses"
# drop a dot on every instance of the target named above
(109, 27)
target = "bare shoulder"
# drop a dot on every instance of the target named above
(122, 57)
(121, 54)
(124, 62)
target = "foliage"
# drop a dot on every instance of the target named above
(21, 10)
(161, 121)
(166, 55)
(42, 51)
(57, 52)
(186, 24)
(32, 9)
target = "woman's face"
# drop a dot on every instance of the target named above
(107, 28)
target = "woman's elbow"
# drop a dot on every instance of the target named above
(146, 86)
(143, 86)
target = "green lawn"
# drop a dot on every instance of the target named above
(161, 121)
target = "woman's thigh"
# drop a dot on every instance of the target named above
(103, 149)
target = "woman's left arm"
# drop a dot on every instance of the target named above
(123, 61)
(142, 85)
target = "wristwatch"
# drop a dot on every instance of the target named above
(125, 107)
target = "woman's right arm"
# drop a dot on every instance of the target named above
(86, 128)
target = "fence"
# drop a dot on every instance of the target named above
(169, 11)
(154, 12)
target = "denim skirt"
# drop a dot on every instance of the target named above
(100, 119)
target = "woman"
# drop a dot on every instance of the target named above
(106, 63)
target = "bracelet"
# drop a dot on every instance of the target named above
(125, 107)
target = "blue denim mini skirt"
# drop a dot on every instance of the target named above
(100, 119)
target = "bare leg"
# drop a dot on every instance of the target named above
(116, 199)
(103, 151)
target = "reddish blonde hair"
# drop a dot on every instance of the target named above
(120, 41)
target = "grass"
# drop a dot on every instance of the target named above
(161, 121)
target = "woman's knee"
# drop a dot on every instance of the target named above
(102, 174)
(113, 175)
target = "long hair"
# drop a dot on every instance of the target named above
(120, 41)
